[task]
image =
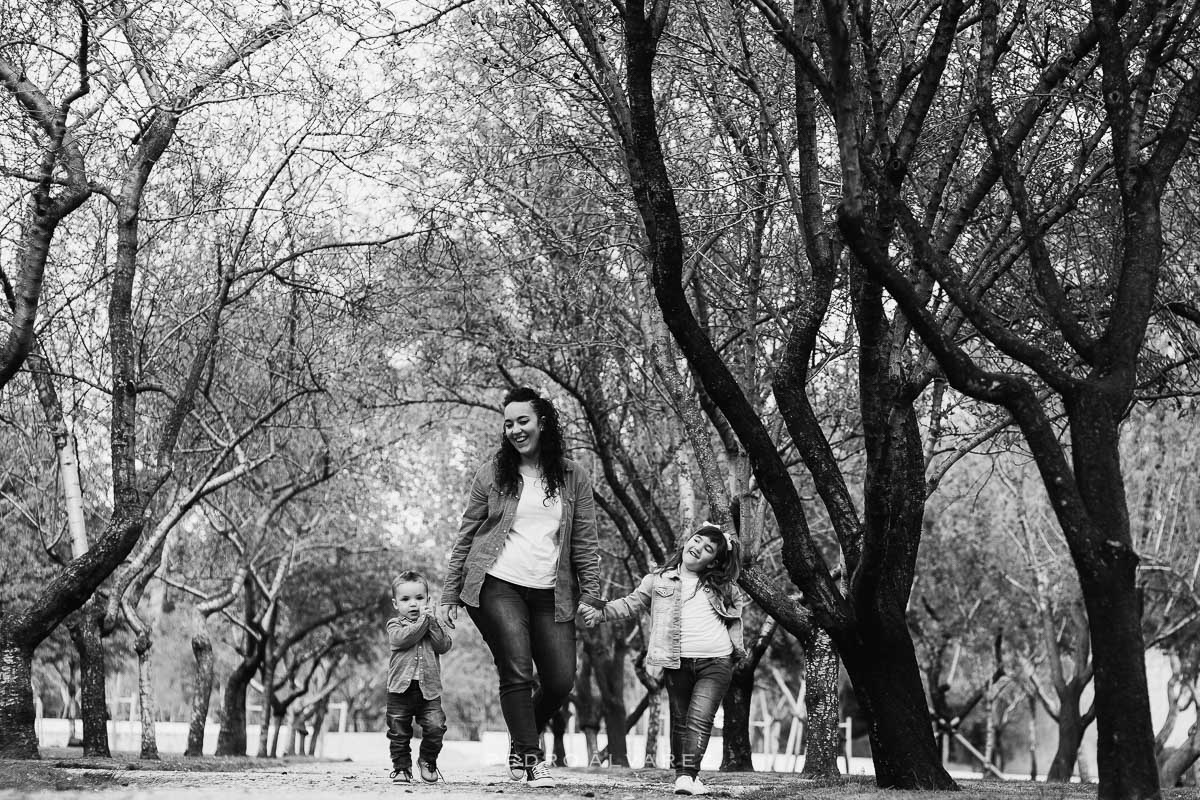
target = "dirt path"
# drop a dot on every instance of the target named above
(308, 781)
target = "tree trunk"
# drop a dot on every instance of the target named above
(279, 719)
(587, 709)
(17, 737)
(1177, 763)
(821, 703)
(298, 732)
(735, 730)
(606, 649)
(264, 727)
(142, 646)
(558, 731)
(653, 726)
(883, 669)
(318, 725)
(1107, 568)
(231, 741)
(1070, 736)
(989, 731)
(84, 627)
(1033, 740)
(202, 650)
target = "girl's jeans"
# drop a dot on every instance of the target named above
(518, 625)
(402, 708)
(695, 691)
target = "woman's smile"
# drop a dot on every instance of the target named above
(523, 428)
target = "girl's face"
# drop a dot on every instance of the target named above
(699, 552)
(523, 428)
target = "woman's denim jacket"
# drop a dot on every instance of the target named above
(660, 591)
(485, 526)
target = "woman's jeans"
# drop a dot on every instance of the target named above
(695, 691)
(518, 625)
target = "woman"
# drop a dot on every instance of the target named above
(526, 559)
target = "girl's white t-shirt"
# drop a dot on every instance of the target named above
(530, 554)
(703, 633)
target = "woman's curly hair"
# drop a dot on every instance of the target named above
(550, 454)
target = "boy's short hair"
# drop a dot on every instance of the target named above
(409, 576)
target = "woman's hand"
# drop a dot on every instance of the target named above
(447, 613)
(591, 616)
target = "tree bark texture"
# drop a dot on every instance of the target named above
(143, 645)
(558, 730)
(203, 653)
(654, 711)
(821, 702)
(1176, 764)
(1070, 736)
(736, 746)
(587, 708)
(84, 627)
(231, 740)
(318, 725)
(607, 651)
(886, 681)
(264, 727)
(17, 737)
(1107, 565)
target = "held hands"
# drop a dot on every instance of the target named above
(591, 616)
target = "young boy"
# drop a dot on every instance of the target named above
(414, 679)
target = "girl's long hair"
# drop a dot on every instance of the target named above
(550, 443)
(722, 573)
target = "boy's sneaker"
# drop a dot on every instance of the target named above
(516, 766)
(539, 777)
(683, 784)
(429, 771)
(401, 775)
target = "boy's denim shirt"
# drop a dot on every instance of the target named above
(485, 526)
(415, 650)
(660, 591)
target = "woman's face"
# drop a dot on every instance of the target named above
(523, 429)
(698, 553)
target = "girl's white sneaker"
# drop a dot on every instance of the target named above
(683, 785)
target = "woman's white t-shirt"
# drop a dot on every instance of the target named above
(703, 633)
(530, 554)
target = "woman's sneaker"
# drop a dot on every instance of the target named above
(538, 776)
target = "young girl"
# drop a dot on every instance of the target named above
(695, 635)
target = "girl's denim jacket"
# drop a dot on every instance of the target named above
(660, 591)
(485, 526)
